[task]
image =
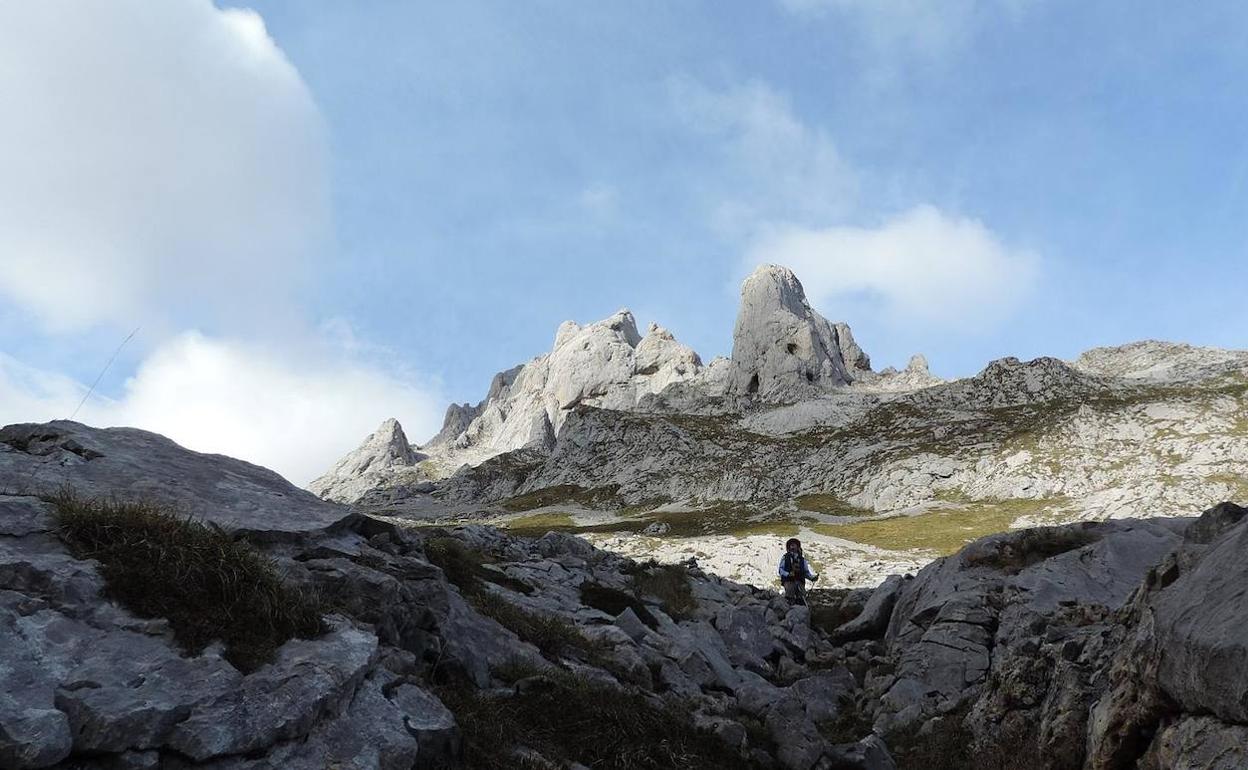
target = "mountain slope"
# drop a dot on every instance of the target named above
(796, 432)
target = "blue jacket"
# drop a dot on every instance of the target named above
(794, 564)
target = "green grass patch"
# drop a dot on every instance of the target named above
(562, 494)
(942, 531)
(830, 505)
(538, 524)
(569, 719)
(208, 585)
(718, 518)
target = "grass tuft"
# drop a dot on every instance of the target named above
(553, 636)
(830, 505)
(614, 601)
(669, 583)
(569, 719)
(206, 584)
(940, 531)
(467, 569)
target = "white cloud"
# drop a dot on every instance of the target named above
(777, 165)
(163, 163)
(28, 394)
(600, 200)
(927, 29)
(922, 266)
(296, 412)
(789, 197)
(160, 163)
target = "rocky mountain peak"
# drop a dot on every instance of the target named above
(1156, 361)
(782, 349)
(384, 450)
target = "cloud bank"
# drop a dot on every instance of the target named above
(160, 163)
(923, 266)
(163, 164)
(791, 198)
(245, 400)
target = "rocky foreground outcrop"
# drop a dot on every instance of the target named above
(1102, 645)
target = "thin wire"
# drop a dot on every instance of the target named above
(101, 374)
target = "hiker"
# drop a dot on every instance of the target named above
(794, 572)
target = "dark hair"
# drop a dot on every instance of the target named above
(792, 541)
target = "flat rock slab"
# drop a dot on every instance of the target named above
(131, 464)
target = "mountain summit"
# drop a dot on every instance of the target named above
(782, 350)
(796, 426)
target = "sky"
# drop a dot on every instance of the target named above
(316, 215)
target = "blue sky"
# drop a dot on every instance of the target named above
(321, 214)
(1105, 138)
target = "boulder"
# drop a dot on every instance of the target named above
(873, 620)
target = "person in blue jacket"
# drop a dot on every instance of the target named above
(794, 572)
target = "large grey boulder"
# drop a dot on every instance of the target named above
(873, 620)
(1198, 743)
(956, 622)
(1186, 650)
(127, 463)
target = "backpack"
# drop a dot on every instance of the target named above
(792, 560)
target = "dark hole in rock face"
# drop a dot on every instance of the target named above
(753, 386)
(791, 347)
(810, 376)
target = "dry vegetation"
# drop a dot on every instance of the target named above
(208, 585)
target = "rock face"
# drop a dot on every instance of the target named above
(90, 685)
(782, 350)
(604, 363)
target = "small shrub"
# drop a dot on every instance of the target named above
(550, 634)
(206, 584)
(614, 601)
(942, 743)
(575, 720)
(465, 568)
(669, 583)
